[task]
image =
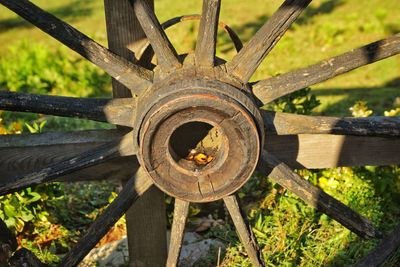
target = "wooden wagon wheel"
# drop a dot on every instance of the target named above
(208, 96)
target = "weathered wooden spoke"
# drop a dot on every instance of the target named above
(181, 212)
(131, 75)
(92, 157)
(165, 52)
(383, 251)
(293, 124)
(132, 190)
(115, 111)
(318, 199)
(244, 230)
(275, 87)
(207, 37)
(245, 63)
(146, 52)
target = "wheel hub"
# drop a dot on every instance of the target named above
(199, 139)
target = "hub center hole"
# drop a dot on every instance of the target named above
(196, 144)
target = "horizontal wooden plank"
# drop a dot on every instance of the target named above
(22, 154)
(292, 124)
(315, 151)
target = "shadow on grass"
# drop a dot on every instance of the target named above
(324, 8)
(70, 11)
(379, 99)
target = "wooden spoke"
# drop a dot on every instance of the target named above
(245, 63)
(181, 212)
(132, 190)
(275, 87)
(89, 158)
(244, 231)
(165, 52)
(131, 75)
(293, 124)
(147, 53)
(116, 111)
(318, 199)
(383, 251)
(207, 37)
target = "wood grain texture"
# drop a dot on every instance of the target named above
(23, 154)
(146, 220)
(383, 251)
(92, 157)
(114, 111)
(131, 75)
(181, 211)
(245, 63)
(132, 190)
(317, 198)
(293, 124)
(244, 230)
(123, 36)
(272, 88)
(318, 151)
(166, 55)
(207, 36)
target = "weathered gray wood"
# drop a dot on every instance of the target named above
(23, 154)
(165, 52)
(316, 197)
(244, 230)
(146, 220)
(292, 124)
(383, 251)
(115, 111)
(131, 75)
(26, 153)
(95, 156)
(123, 36)
(207, 36)
(245, 63)
(132, 190)
(181, 212)
(318, 151)
(148, 241)
(272, 88)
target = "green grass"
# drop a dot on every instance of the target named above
(327, 28)
(290, 232)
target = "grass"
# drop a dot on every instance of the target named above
(327, 28)
(290, 232)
